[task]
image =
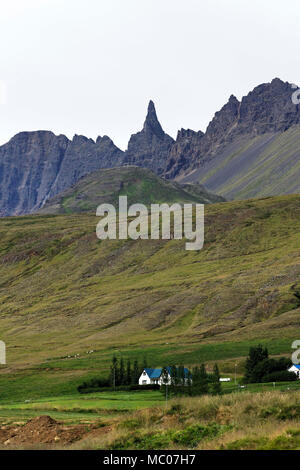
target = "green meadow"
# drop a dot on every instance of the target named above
(64, 293)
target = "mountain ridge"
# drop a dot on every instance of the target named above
(36, 166)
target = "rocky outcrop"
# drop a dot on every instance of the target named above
(266, 109)
(186, 147)
(151, 146)
(84, 156)
(37, 165)
(29, 164)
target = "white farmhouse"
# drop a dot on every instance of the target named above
(296, 369)
(154, 376)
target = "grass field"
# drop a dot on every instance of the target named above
(63, 293)
(77, 408)
(93, 405)
(250, 419)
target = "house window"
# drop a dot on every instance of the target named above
(144, 373)
(144, 382)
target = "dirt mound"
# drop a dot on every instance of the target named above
(40, 422)
(41, 430)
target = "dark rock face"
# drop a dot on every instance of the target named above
(186, 147)
(150, 147)
(268, 108)
(37, 165)
(29, 163)
(84, 156)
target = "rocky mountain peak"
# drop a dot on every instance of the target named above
(223, 120)
(268, 108)
(152, 124)
(150, 147)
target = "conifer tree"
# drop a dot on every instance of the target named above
(256, 354)
(164, 382)
(121, 373)
(174, 380)
(136, 373)
(189, 384)
(114, 373)
(128, 373)
(216, 384)
(202, 381)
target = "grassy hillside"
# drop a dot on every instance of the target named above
(250, 167)
(138, 184)
(64, 292)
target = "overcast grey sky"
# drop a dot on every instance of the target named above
(90, 66)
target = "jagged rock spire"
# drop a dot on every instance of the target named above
(151, 124)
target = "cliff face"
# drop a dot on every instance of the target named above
(37, 165)
(29, 163)
(84, 156)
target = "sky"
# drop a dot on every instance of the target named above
(90, 67)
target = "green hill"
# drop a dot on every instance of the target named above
(139, 184)
(64, 292)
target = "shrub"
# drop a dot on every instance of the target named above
(192, 435)
(283, 413)
(149, 441)
(175, 409)
(280, 376)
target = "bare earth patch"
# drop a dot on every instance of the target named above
(41, 430)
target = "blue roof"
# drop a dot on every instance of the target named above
(156, 373)
(153, 373)
(297, 366)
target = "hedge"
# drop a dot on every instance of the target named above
(120, 388)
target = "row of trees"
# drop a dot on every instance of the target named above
(260, 368)
(197, 382)
(122, 374)
(125, 373)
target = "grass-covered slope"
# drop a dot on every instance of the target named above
(64, 292)
(266, 165)
(138, 184)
